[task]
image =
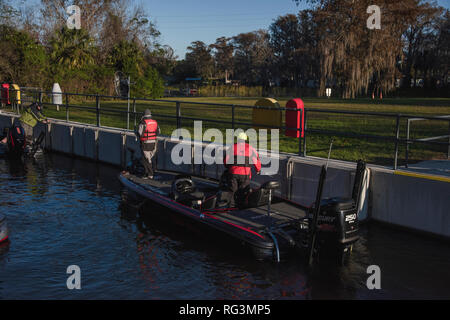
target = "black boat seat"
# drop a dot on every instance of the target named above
(271, 185)
(260, 196)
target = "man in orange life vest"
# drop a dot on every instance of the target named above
(239, 161)
(147, 132)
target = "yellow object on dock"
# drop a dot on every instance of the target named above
(15, 94)
(268, 116)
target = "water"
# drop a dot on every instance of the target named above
(62, 211)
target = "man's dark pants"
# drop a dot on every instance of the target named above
(148, 152)
(236, 185)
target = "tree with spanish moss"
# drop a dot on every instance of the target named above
(357, 58)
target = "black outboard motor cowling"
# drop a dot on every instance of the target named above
(339, 216)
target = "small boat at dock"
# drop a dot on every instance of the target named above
(271, 226)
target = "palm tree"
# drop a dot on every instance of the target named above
(72, 48)
(127, 58)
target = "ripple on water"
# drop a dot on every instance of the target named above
(63, 211)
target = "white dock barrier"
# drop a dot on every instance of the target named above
(412, 200)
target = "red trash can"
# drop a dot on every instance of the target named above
(5, 94)
(295, 118)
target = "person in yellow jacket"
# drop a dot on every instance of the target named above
(30, 118)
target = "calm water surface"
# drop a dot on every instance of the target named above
(63, 211)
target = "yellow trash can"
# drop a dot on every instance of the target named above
(270, 115)
(15, 94)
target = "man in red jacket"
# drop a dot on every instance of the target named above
(239, 161)
(147, 134)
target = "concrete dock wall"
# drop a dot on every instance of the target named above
(419, 203)
(413, 202)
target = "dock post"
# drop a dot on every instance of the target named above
(134, 111)
(97, 107)
(397, 135)
(232, 116)
(178, 105)
(67, 107)
(408, 125)
(304, 137)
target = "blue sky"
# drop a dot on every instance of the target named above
(181, 22)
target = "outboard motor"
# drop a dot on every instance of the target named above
(3, 229)
(335, 224)
(338, 226)
(16, 140)
(338, 221)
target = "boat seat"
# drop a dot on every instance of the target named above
(260, 196)
(271, 185)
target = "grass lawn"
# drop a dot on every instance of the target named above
(352, 149)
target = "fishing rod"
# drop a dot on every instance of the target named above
(313, 234)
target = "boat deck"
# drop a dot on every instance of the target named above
(254, 218)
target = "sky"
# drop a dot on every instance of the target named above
(182, 22)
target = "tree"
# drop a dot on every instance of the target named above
(7, 13)
(422, 48)
(199, 56)
(125, 22)
(72, 54)
(128, 58)
(182, 70)
(152, 83)
(284, 41)
(107, 21)
(443, 47)
(93, 15)
(163, 59)
(353, 55)
(22, 60)
(293, 41)
(252, 57)
(72, 48)
(223, 56)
